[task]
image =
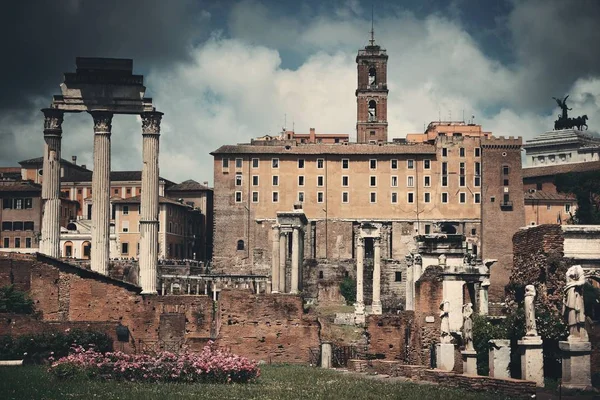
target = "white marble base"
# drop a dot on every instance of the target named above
(469, 362)
(444, 355)
(532, 359)
(499, 358)
(576, 372)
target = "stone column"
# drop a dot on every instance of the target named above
(483, 297)
(275, 261)
(376, 306)
(326, 355)
(282, 253)
(50, 239)
(149, 202)
(444, 356)
(295, 256)
(499, 358)
(359, 307)
(410, 284)
(101, 191)
(532, 359)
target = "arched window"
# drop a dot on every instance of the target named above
(372, 111)
(240, 245)
(372, 76)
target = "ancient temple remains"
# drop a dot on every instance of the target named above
(290, 226)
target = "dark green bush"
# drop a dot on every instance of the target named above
(348, 290)
(484, 330)
(34, 349)
(14, 301)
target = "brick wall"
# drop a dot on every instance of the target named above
(428, 297)
(394, 335)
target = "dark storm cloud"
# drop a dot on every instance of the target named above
(42, 38)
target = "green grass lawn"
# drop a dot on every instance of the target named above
(276, 382)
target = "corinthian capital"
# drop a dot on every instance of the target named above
(102, 121)
(53, 119)
(151, 122)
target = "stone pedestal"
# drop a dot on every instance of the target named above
(499, 358)
(576, 364)
(444, 356)
(532, 359)
(326, 355)
(469, 362)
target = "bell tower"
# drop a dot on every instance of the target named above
(371, 94)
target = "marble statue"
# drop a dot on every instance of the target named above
(467, 329)
(573, 307)
(418, 259)
(530, 326)
(445, 336)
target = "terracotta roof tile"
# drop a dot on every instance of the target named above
(320, 148)
(20, 186)
(541, 195)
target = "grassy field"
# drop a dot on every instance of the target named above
(276, 382)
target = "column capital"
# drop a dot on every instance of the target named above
(376, 241)
(102, 121)
(360, 241)
(53, 119)
(151, 122)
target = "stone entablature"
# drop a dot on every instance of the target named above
(562, 147)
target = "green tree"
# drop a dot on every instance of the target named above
(348, 290)
(14, 301)
(586, 188)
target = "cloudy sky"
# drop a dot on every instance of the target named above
(226, 71)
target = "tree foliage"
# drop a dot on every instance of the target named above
(14, 301)
(586, 188)
(348, 290)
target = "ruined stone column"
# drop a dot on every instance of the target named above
(376, 306)
(275, 261)
(295, 260)
(101, 191)
(282, 253)
(359, 307)
(50, 239)
(149, 202)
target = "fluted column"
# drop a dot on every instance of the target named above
(376, 306)
(275, 261)
(101, 191)
(359, 307)
(282, 252)
(149, 202)
(295, 256)
(50, 239)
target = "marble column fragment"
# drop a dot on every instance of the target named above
(101, 191)
(359, 307)
(282, 255)
(295, 260)
(376, 306)
(275, 260)
(50, 239)
(149, 202)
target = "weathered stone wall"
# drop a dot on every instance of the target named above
(428, 296)
(395, 335)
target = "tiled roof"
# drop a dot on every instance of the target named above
(161, 200)
(560, 169)
(189, 185)
(541, 195)
(20, 186)
(319, 148)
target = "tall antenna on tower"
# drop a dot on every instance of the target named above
(372, 40)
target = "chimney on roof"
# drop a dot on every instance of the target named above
(74, 159)
(312, 137)
(205, 183)
(83, 166)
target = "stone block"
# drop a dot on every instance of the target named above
(576, 372)
(532, 359)
(499, 358)
(469, 362)
(326, 354)
(445, 356)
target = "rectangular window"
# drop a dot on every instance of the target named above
(345, 197)
(18, 226)
(505, 181)
(28, 203)
(373, 163)
(301, 197)
(477, 181)
(320, 163)
(410, 196)
(225, 163)
(410, 181)
(478, 168)
(125, 210)
(444, 197)
(394, 164)
(17, 243)
(18, 204)
(275, 163)
(461, 169)
(444, 152)
(477, 198)
(427, 181)
(477, 151)
(28, 243)
(320, 180)
(427, 197)
(128, 191)
(394, 197)
(461, 181)
(394, 181)
(320, 197)
(238, 197)
(462, 197)
(238, 180)
(7, 203)
(444, 181)
(373, 197)
(410, 164)
(398, 276)
(300, 163)
(505, 170)
(254, 180)
(239, 163)
(255, 197)
(345, 180)
(462, 151)
(275, 197)
(7, 225)
(6, 243)
(275, 180)
(373, 181)
(427, 229)
(426, 164)
(255, 163)
(301, 180)
(28, 225)
(445, 168)
(345, 163)
(124, 248)
(125, 226)
(567, 208)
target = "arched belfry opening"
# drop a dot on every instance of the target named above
(372, 110)
(372, 76)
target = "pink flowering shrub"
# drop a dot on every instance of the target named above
(210, 366)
